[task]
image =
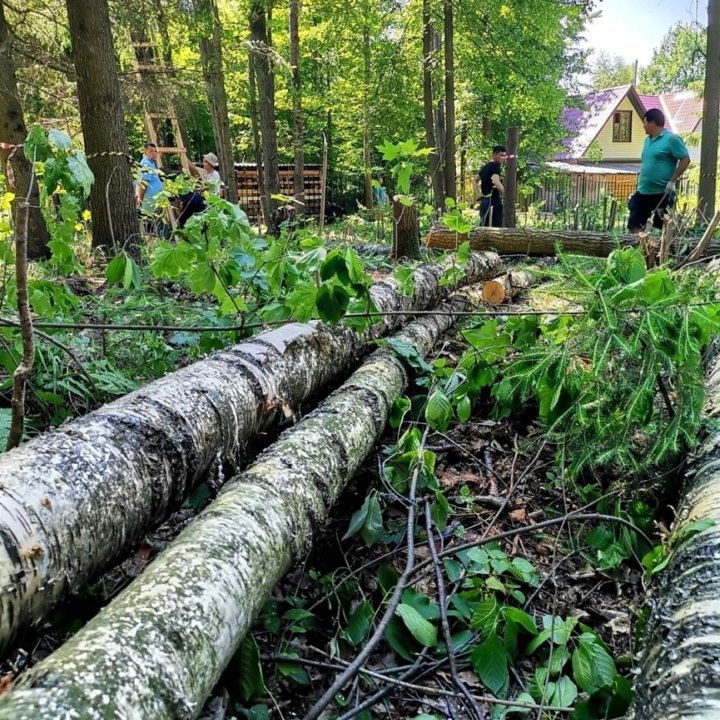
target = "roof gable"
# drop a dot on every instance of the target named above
(585, 123)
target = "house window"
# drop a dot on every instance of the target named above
(622, 126)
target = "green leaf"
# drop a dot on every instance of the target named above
(491, 664)
(80, 172)
(583, 669)
(400, 407)
(439, 412)
(335, 266)
(202, 279)
(464, 409)
(400, 640)
(521, 618)
(565, 692)
(373, 526)
(251, 683)
(301, 301)
(422, 630)
(131, 276)
(358, 519)
(332, 301)
(485, 616)
(59, 139)
(116, 269)
(359, 623)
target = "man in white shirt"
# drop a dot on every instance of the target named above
(209, 174)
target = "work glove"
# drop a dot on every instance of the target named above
(670, 187)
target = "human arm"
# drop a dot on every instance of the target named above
(476, 185)
(680, 153)
(495, 179)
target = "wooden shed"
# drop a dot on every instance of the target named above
(249, 193)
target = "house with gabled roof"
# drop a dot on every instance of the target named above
(606, 126)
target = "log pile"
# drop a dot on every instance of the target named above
(159, 648)
(74, 500)
(529, 241)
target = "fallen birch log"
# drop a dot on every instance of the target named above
(529, 241)
(504, 287)
(679, 664)
(159, 648)
(73, 500)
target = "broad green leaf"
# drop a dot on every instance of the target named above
(358, 519)
(464, 409)
(422, 630)
(359, 623)
(59, 139)
(400, 407)
(131, 276)
(250, 672)
(438, 412)
(116, 269)
(491, 664)
(583, 669)
(332, 302)
(81, 172)
(485, 616)
(373, 526)
(301, 301)
(400, 640)
(521, 618)
(565, 692)
(202, 279)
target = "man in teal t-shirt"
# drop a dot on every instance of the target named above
(664, 159)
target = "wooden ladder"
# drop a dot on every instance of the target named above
(145, 61)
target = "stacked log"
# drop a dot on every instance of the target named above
(679, 664)
(74, 500)
(529, 241)
(159, 648)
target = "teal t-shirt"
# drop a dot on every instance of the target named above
(658, 161)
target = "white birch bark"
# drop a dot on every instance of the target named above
(73, 500)
(158, 649)
(679, 664)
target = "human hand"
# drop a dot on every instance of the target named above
(670, 187)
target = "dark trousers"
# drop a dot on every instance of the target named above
(491, 212)
(641, 206)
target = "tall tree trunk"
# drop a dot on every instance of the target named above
(528, 241)
(299, 152)
(450, 172)
(208, 24)
(435, 167)
(257, 139)
(406, 232)
(74, 499)
(367, 153)
(12, 127)
(159, 648)
(711, 114)
(112, 201)
(510, 196)
(463, 157)
(265, 78)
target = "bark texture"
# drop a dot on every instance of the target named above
(265, 78)
(112, 202)
(707, 190)
(298, 150)
(679, 666)
(71, 501)
(527, 241)
(406, 231)
(14, 131)
(208, 22)
(435, 167)
(159, 648)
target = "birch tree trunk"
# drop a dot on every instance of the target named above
(528, 241)
(159, 648)
(679, 666)
(73, 500)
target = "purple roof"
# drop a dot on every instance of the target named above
(652, 102)
(586, 122)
